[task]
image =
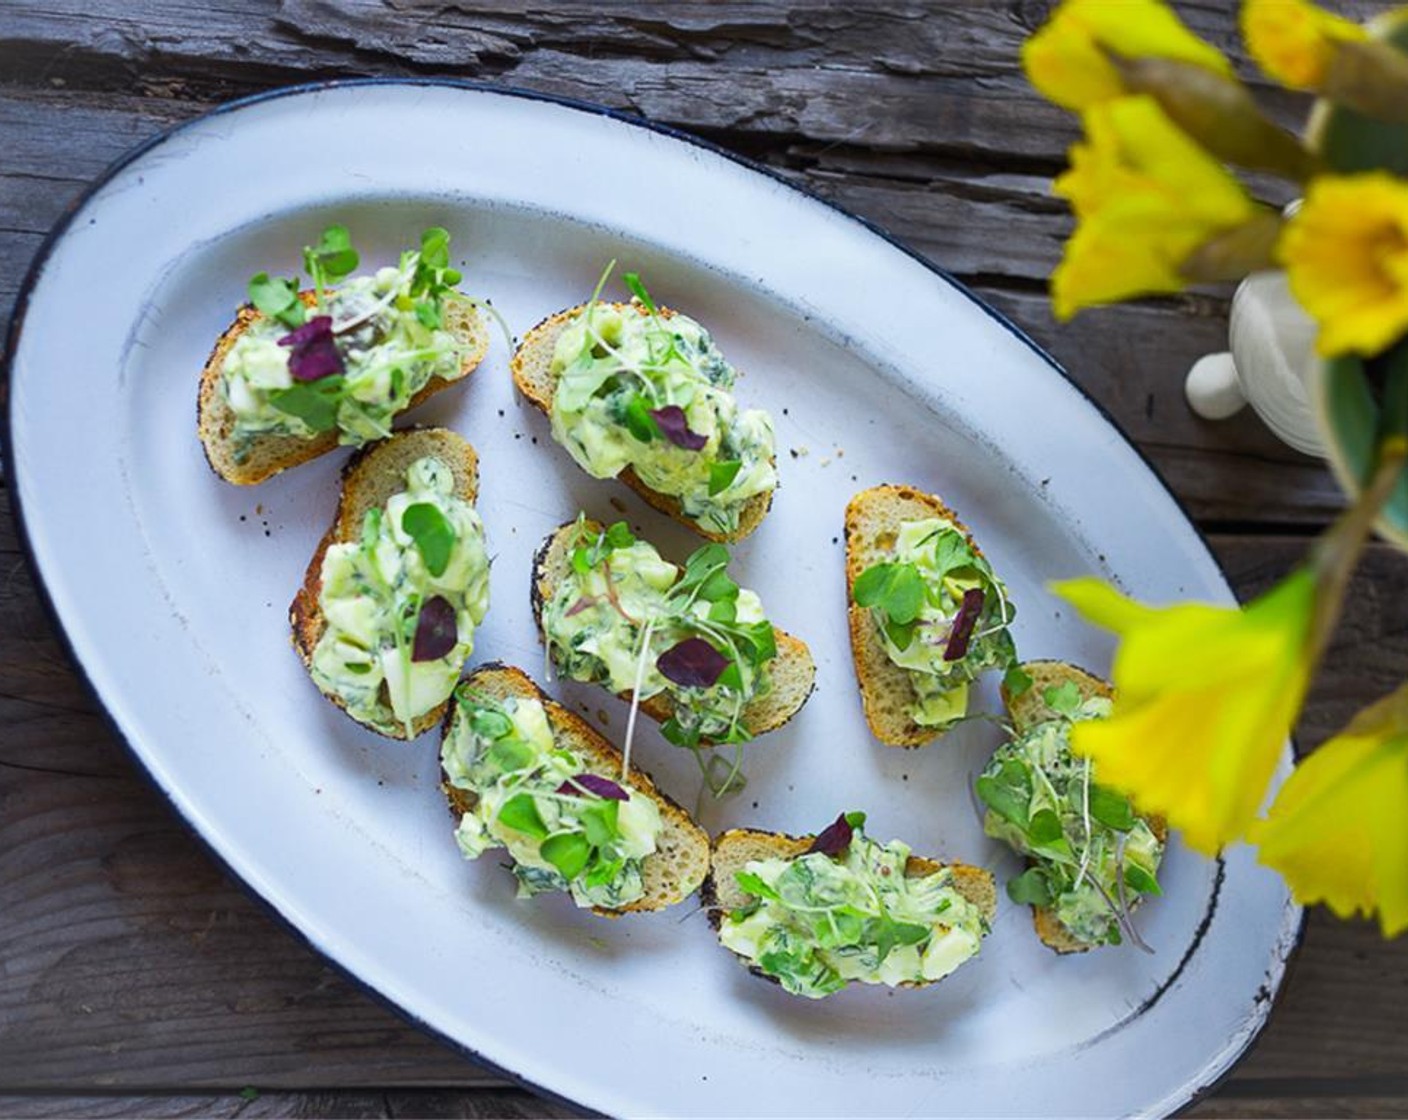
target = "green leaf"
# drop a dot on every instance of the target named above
(619, 535)
(1136, 877)
(435, 248)
(600, 822)
(1111, 809)
(428, 314)
(724, 610)
(1017, 681)
(581, 562)
(568, 852)
(754, 884)
(316, 403)
(521, 814)
(489, 724)
(855, 819)
(361, 669)
(601, 871)
(638, 420)
(632, 281)
(952, 551)
(277, 299)
(1030, 888)
(434, 535)
(731, 677)
(1044, 828)
(722, 474)
(511, 755)
(1008, 793)
(901, 636)
(895, 589)
(333, 257)
(679, 735)
(1063, 698)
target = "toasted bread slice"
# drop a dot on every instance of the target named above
(735, 848)
(268, 455)
(681, 860)
(532, 373)
(793, 672)
(873, 520)
(371, 476)
(1027, 711)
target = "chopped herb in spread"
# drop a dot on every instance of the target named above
(401, 604)
(1091, 856)
(352, 359)
(847, 910)
(647, 389)
(566, 828)
(943, 616)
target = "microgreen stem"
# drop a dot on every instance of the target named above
(1085, 820)
(641, 658)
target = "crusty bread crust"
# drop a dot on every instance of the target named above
(1027, 711)
(268, 455)
(370, 477)
(532, 374)
(873, 520)
(735, 848)
(677, 868)
(793, 672)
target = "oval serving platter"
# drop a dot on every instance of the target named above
(875, 367)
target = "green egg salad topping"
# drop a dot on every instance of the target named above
(943, 616)
(649, 390)
(821, 920)
(1091, 856)
(566, 828)
(624, 618)
(401, 604)
(352, 360)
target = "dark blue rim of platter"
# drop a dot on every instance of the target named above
(76, 207)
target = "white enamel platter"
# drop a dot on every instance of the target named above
(172, 589)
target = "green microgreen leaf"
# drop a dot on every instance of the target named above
(278, 299)
(520, 813)
(1063, 698)
(638, 420)
(600, 822)
(359, 668)
(511, 755)
(333, 258)
(1008, 793)
(316, 403)
(428, 314)
(433, 534)
(1030, 888)
(568, 852)
(900, 636)
(1111, 809)
(1136, 877)
(1017, 681)
(731, 677)
(619, 535)
(724, 611)
(637, 289)
(855, 819)
(722, 474)
(489, 724)
(897, 590)
(754, 884)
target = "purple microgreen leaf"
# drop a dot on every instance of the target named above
(694, 663)
(675, 428)
(315, 354)
(963, 623)
(834, 839)
(595, 783)
(437, 630)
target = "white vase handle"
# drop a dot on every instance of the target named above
(1212, 387)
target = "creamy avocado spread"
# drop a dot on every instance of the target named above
(565, 827)
(352, 359)
(624, 618)
(648, 389)
(1091, 857)
(943, 616)
(401, 603)
(818, 921)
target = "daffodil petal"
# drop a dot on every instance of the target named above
(1294, 41)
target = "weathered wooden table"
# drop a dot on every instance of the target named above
(135, 977)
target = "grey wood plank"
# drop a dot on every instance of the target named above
(503, 1103)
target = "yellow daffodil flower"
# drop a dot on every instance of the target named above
(1294, 41)
(1066, 59)
(1146, 198)
(1204, 699)
(1346, 257)
(1338, 831)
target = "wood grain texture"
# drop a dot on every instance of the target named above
(135, 978)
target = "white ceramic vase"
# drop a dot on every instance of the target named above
(1271, 365)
